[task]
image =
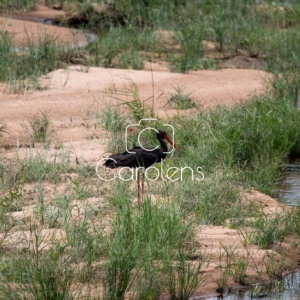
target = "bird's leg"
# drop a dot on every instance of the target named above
(143, 186)
(138, 183)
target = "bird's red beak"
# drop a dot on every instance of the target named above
(168, 139)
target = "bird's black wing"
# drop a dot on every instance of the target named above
(140, 158)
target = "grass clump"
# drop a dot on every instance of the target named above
(295, 221)
(214, 200)
(189, 35)
(285, 48)
(131, 60)
(48, 277)
(140, 242)
(138, 108)
(11, 201)
(240, 270)
(36, 168)
(39, 124)
(21, 69)
(113, 120)
(220, 27)
(184, 276)
(270, 230)
(23, 66)
(181, 100)
(24, 5)
(3, 128)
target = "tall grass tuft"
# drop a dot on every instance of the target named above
(189, 35)
(184, 276)
(3, 128)
(49, 277)
(181, 100)
(21, 68)
(140, 241)
(24, 5)
(39, 124)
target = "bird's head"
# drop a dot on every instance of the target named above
(162, 134)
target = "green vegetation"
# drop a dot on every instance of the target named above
(39, 125)
(180, 99)
(3, 127)
(173, 31)
(24, 5)
(21, 68)
(113, 120)
(243, 139)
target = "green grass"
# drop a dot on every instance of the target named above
(46, 277)
(37, 167)
(268, 232)
(23, 5)
(128, 45)
(189, 34)
(232, 25)
(3, 127)
(39, 126)
(181, 100)
(242, 138)
(149, 237)
(22, 69)
(113, 120)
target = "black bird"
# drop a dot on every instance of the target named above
(142, 157)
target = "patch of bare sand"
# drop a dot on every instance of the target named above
(269, 205)
(208, 88)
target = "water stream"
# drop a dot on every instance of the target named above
(287, 190)
(290, 290)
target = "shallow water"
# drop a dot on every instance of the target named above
(287, 190)
(291, 291)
